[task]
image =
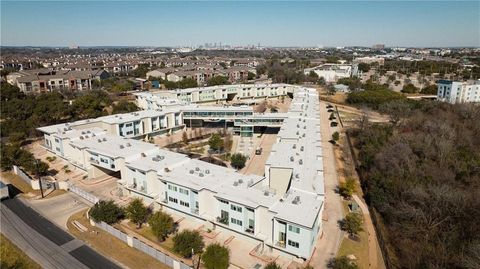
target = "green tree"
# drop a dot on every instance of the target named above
(188, 241)
(347, 188)
(342, 262)
(272, 265)
(162, 224)
(364, 67)
(215, 142)
(137, 212)
(409, 88)
(91, 105)
(430, 89)
(251, 76)
(352, 224)
(106, 211)
(218, 80)
(124, 106)
(238, 160)
(187, 83)
(216, 256)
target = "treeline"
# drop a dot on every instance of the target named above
(421, 173)
(21, 114)
(287, 72)
(372, 94)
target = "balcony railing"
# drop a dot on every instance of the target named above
(222, 220)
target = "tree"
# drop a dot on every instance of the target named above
(188, 241)
(215, 142)
(364, 67)
(342, 262)
(137, 212)
(251, 76)
(238, 160)
(218, 80)
(162, 224)
(106, 211)
(272, 265)
(335, 137)
(124, 106)
(331, 89)
(409, 88)
(187, 83)
(347, 188)
(216, 256)
(91, 105)
(352, 224)
(430, 89)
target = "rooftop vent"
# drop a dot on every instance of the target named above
(93, 134)
(235, 183)
(240, 181)
(294, 146)
(296, 200)
(81, 137)
(300, 161)
(99, 140)
(83, 132)
(266, 193)
(291, 158)
(197, 168)
(297, 175)
(200, 175)
(88, 132)
(191, 171)
(207, 171)
(143, 155)
(301, 148)
(303, 135)
(122, 147)
(104, 139)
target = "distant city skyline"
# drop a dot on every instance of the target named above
(272, 24)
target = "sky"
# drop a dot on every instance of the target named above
(270, 23)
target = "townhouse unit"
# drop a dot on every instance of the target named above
(281, 210)
(455, 92)
(216, 94)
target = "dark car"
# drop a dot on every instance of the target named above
(333, 124)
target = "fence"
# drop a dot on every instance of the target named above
(139, 245)
(86, 195)
(19, 172)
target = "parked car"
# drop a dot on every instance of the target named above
(333, 124)
(258, 151)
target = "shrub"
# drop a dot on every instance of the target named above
(216, 256)
(347, 188)
(272, 265)
(335, 136)
(342, 263)
(162, 224)
(106, 211)
(352, 224)
(215, 142)
(186, 241)
(137, 212)
(238, 160)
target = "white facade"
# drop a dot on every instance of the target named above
(282, 210)
(455, 92)
(333, 72)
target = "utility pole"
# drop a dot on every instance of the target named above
(39, 179)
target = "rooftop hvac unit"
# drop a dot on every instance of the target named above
(143, 155)
(88, 132)
(207, 171)
(235, 183)
(296, 200)
(300, 161)
(99, 140)
(197, 168)
(83, 132)
(81, 137)
(200, 174)
(191, 171)
(240, 181)
(122, 147)
(294, 146)
(104, 139)
(93, 135)
(297, 175)
(86, 136)
(266, 193)
(301, 148)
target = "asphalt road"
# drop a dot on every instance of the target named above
(29, 221)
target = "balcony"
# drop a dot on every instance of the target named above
(222, 220)
(94, 161)
(250, 231)
(280, 244)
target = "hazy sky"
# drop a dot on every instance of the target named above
(287, 23)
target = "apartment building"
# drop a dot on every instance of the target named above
(42, 80)
(214, 94)
(455, 92)
(333, 72)
(281, 210)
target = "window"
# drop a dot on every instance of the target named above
(250, 209)
(172, 188)
(183, 191)
(173, 200)
(184, 204)
(251, 224)
(56, 140)
(236, 221)
(294, 229)
(293, 244)
(236, 208)
(223, 202)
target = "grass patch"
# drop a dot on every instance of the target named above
(147, 233)
(111, 246)
(12, 257)
(359, 248)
